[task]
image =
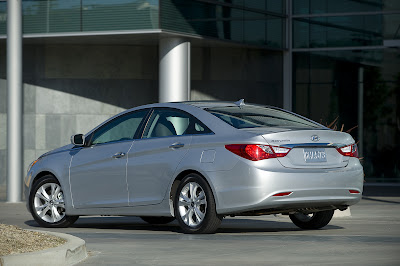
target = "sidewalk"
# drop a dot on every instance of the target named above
(72, 252)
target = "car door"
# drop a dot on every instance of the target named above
(98, 170)
(153, 159)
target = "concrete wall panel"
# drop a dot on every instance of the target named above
(3, 95)
(70, 89)
(29, 99)
(40, 132)
(98, 62)
(3, 131)
(29, 131)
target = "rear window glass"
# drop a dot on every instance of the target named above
(258, 116)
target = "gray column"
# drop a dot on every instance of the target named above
(287, 61)
(174, 70)
(14, 101)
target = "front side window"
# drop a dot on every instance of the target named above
(119, 129)
(171, 122)
(258, 116)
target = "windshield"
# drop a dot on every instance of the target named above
(258, 116)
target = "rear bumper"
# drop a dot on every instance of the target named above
(251, 186)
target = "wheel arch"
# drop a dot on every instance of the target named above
(42, 174)
(38, 176)
(177, 181)
(64, 184)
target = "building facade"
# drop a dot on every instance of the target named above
(86, 60)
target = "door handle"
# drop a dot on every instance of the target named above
(118, 155)
(176, 145)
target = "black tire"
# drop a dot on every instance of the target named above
(199, 208)
(314, 220)
(53, 214)
(157, 219)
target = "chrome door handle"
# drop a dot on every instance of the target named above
(118, 155)
(176, 145)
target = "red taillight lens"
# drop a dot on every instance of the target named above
(258, 152)
(282, 194)
(350, 150)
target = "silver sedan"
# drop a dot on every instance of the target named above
(198, 162)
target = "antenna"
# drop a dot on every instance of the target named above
(240, 103)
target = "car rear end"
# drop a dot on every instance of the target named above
(290, 164)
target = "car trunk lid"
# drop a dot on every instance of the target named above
(309, 148)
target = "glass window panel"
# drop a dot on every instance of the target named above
(256, 4)
(338, 77)
(275, 31)
(338, 31)
(3, 17)
(120, 129)
(300, 6)
(276, 6)
(337, 6)
(170, 122)
(391, 26)
(254, 31)
(301, 33)
(390, 5)
(119, 15)
(225, 19)
(259, 116)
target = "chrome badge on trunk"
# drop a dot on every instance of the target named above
(314, 155)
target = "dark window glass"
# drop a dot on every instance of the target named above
(254, 116)
(120, 128)
(172, 122)
(258, 22)
(338, 31)
(337, 6)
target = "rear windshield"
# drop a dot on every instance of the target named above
(258, 116)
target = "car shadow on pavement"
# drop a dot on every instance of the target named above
(229, 225)
(254, 225)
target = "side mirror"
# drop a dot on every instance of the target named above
(78, 140)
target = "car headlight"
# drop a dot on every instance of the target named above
(33, 163)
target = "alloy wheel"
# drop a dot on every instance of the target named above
(192, 204)
(49, 203)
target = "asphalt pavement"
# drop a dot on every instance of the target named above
(369, 236)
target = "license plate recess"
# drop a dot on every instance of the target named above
(314, 155)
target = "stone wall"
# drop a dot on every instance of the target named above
(70, 89)
(57, 106)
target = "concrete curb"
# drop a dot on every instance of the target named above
(72, 252)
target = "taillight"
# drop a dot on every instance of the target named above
(256, 152)
(350, 150)
(282, 194)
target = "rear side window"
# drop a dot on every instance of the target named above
(258, 116)
(171, 122)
